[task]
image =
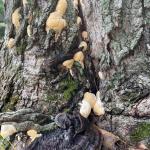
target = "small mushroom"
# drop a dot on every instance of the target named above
(7, 130)
(29, 30)
(79, 57)
(16, 16)
(33, 134)
(79, 20)
(90, 98)
(85, 35)
(83, 45)
(68, 64)
(62, 7)
(101, 75)
(85, 109)
(98, 108)
(11, 43)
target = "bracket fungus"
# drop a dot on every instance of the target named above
(79, 57)
(62, 7)
(16, 16)
(7, 130)
(90, 98)
(33, 134)
(68, 64)
(11, 43)
(29, 30)
(79, 20)
(85, 35)
(98, 107)
(83, 45)
(90, 101)
(85, 109)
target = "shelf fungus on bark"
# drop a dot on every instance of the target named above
(16, 16)
(101, 75)
(62, 7)
(29, 30)
(79, 57)
(98, 107)
(83, 45)
(79, 20)
(85, 35)
(85, 108)
(7, 130)
(90, 98)
(33, 134)
(11, 43)
(68, 64)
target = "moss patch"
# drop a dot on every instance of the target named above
(20, 48)
(141, 132)
(11, 104)
(71, 87)
(4, 143)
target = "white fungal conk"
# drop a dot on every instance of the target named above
(79, 20)
(7, 130)
(85, 109)
(29, 30)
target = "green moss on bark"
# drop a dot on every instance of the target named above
(141, 132)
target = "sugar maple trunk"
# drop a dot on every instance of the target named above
(32, 76)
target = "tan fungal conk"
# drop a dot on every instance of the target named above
(85, 35)
(33, 134)
(68, 63)
(79, 57)
(83, 45)
(61, 7)
(11, 43)
(55, 21)
(16, 16)
(90, 98)
(90, 101)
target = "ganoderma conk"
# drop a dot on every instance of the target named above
(74, 132)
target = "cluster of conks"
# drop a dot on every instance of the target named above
(78, 57)
(16, 16)
(55, 21)
(89, 102)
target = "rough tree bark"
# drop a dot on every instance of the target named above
(32, 76)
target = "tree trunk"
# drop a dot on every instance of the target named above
(117, 64)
